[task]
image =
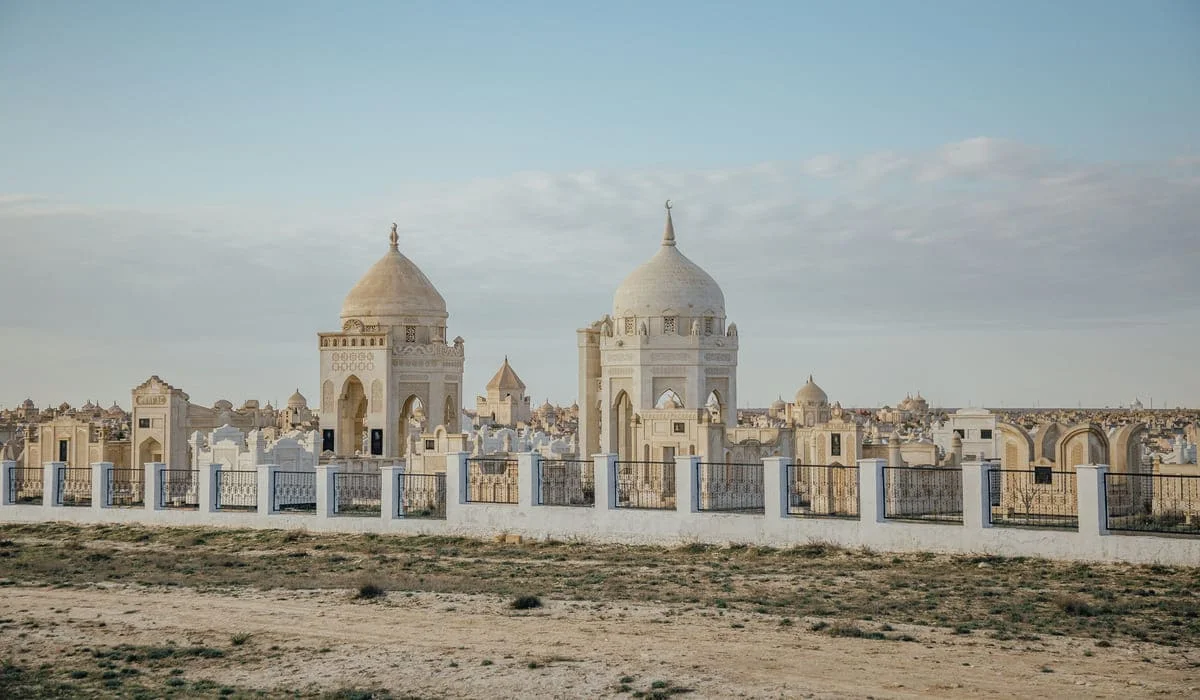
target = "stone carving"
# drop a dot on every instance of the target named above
(352, 361)
(154, 400)
(376, 396)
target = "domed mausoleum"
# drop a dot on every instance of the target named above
(389, 367)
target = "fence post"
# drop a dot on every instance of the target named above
(687, 484)
(52, 496)
(207, 490)
(871, 493)
(1093, 499)
(266, 489)
(977, 505)
(604, 475)
(327, 490)
(390, 494)
(456, 483)
(7, 467)
(153, 478)
(775, 487)
(528, 479)
(101, 479)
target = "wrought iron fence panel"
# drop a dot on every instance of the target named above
(926, 494)
(1032, 498)
(25, 485)
(357, 494)
(237, 490)
(422, 496)
(125, 488)
(822, 490)
(491, 480)
(567, 482)
(730, 487)
(1164, 503)
(74, 486)
(294, 492)
(647, 485)
(180, 488)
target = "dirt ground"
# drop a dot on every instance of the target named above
(102, 639)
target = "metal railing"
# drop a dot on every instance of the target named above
(124, 488)
(422, 496)
(236, 490)
(74, 486)
(1163, 503)
(25, 485)
(567, 482)
(294, 492)
(925, 494)
(646, 485)
(179, 489)
(822, 490)
(357, 494)
(491, 480)
(729, 487)
(1039, 497)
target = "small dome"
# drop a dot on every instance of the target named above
(27, 403)
(669, 281)
(778, 404)
(223, 405)
(392, 290)
(297, 400)
(811, 394)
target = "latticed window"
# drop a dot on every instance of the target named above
(708, 326)
(669, 324)
(629, 326)
(410, 334)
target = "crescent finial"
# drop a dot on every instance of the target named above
(668, 205)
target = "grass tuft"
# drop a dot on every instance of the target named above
(526, 602)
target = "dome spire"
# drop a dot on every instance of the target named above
(669, 233)
(395, 238)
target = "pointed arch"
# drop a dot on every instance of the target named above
(351, 417)
(668, 400)
(1083, 444)
(1016, 446)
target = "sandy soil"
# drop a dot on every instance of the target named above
(407, 643)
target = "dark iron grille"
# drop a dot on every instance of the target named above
(646, 485)
(567, 482)
(125, 488)
(74, 486)
(1023, 498)
(25, 485)
(237, 490)
(180, 488)
(357, 494)
(729, 487)
(491, 480)
(822, 490)
(294, 492)
(923, 494)
(422, 496)
(1163, 503)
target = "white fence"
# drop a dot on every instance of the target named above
(606, 522)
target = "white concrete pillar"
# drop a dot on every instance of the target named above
(206, 490)
(456, 483)
(266, 488)
(51, 491)
(977, 505)
(152, 480)
(7, 467)
(391, 492)
(605, 475)
(775, 486)
(529, 480)
(687, 484)
(1089, 487)
(101, 479)
(326, 490)
(871, 495)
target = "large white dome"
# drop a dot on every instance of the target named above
(392, 290)
(669, 281)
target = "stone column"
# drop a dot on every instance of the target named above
(101, 478)
(529, 480)
(605, 475)
(206, 490)
(51, 496)
(775, 487)
(391, 492)
(266, 489)
(152, 481)
(871, 494)
(687, 486)
(7, 467)
(326, 490)
(1089, 488)
(977, 506)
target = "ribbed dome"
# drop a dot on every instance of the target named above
(811, 394)
(297, 400)
(669, 281)
(392, 289)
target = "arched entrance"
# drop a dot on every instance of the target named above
(620, 429)
(411, 422)
(352, 418)
(151, 451)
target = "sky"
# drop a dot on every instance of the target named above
(992, 203)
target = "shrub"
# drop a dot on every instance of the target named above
(369, 591)
(1074, 605)
(526, 602)
(239, 639)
